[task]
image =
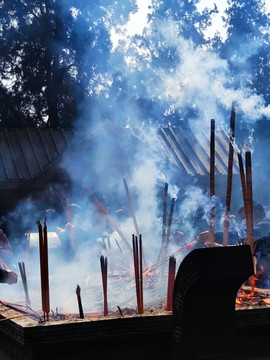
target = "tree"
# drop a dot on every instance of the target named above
(247, 46)
(45, 67)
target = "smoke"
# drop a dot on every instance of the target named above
(151, 76)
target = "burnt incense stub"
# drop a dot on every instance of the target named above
(204, 296)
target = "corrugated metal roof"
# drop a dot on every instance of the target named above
(26, 153)
(191, 151)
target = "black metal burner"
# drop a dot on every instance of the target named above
(204, 296)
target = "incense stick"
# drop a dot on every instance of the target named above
(249, 201)
(78, 293)
(132, 213)
(44, 271)
(15, 317)
(104, 273)
(169, 227)
(243, 178)
(34, 311)
(212, 181)
(164, 222)
(229, 178)
(105, 212)
(171, 278)
(131, 208)
(137, 256)
(24, 281)
(27, 249)
(141, 272)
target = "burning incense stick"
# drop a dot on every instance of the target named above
(171, 278)
(78, 293)
(249, 201)
(105, 212)
(229, 178)
(24, 281)
(137, 256)
(104, 272)
(44, 270)
(212, 181)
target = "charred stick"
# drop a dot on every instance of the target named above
(229, 178)
(105, 212)
(120, 311)
(249, 201)
(212, 181)
(24, 281)
(78, 293)
(104, 272)
(171, 278)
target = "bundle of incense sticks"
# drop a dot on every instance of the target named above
(24, 281)
(104, 271)
(246, 181)
(229, 178)
(78, 293)
(171, 278)
(44, 268)
(137, 256)
(212, 181)
(105, 212)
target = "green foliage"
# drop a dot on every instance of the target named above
(42, 57)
